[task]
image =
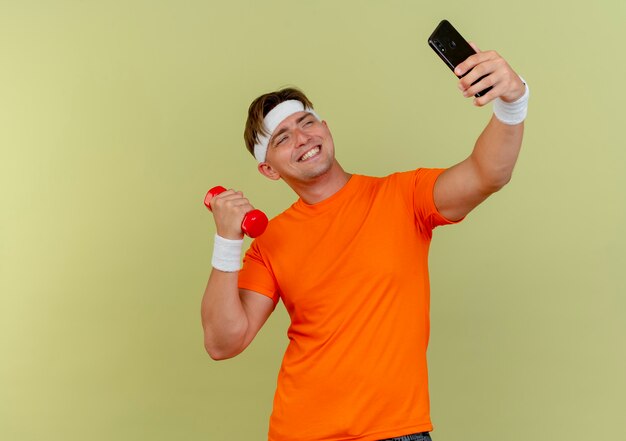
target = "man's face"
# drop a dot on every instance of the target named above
(300, 149)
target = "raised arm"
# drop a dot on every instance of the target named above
(490, 165)
(231, 317)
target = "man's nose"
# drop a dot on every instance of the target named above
(301, 137)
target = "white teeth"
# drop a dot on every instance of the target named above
(310, 154)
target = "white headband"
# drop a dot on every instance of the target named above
(273, 119)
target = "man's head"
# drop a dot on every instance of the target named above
(256, 128)
(287, 138)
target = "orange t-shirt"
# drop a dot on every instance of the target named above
(352, 272)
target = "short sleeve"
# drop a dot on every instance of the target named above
(255, 274)
(426, 211)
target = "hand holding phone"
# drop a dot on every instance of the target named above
(453, 49)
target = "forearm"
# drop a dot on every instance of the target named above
(223, 316)
(495, 153)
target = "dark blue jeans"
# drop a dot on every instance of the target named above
(422, 436)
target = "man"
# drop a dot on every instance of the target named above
(349, 260)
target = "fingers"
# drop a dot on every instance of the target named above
(228, 195)
(488, 97)
(480, 78)
(229, 209)
(487, 69)
(230, 199)
(474, 60)
(503, 83)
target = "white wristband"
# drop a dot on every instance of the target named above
(227, 254)
(512, 113)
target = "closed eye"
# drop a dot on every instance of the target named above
(308, 120)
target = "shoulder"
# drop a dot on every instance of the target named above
(419, 177)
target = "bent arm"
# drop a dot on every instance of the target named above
(231, 317)
(464, 186)
(461, 188)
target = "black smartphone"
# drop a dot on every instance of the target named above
(453, 49)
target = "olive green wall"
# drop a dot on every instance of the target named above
(116, 117)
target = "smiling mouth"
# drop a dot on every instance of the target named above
(311, 153)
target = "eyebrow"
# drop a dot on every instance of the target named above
(284, 129)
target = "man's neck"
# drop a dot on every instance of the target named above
(322, 187)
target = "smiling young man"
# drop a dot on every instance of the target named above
(349, 259)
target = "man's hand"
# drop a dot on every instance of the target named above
(507, 85)
(229, 208)
(462, 187)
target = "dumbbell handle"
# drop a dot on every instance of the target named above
(254, 222)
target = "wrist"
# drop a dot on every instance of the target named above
(230, 235)
(226, 254)
(512, 112)
(517, 93)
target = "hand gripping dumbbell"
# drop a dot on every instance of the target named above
(254, 222)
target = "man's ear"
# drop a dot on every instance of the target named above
(266, 170)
